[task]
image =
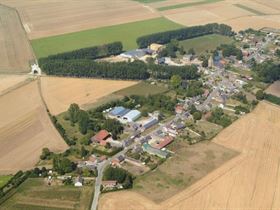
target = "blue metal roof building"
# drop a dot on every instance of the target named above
(132, 115)
(119, 111)
(152, 121)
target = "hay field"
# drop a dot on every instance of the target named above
(42, 18)
(249, 181)
(16, 51)
(274, 89)
(25, 128)
(60, 92)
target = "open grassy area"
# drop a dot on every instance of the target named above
(210, 129)
(256, 12)
(36, 194)
(182, 169)
(190, 4)
(143, 89)
(208, 42)
(127, 33)
(4, 180)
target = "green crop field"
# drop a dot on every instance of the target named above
(203, 43)
(36, 194)
(4, 180)
(190, 4)
(127, 33)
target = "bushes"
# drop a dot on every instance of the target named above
(120, 175)
(272, 99)
(219, 117)
(63, 165)
(183, 34)
(267, 71)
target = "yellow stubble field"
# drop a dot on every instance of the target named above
(60, 92)
(249, 181)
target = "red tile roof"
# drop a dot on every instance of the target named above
(166, 140)
(101, 135)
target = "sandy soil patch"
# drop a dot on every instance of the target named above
(16, 51)
(274, 89)
(25, 128)
(249, 181)
(43, 18)
(60, 92)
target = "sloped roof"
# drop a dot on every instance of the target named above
(101, 135)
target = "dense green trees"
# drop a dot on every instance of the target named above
(95, 52)
(120, 175)
(183, 34)
(219, 117)
(260, 95)
(267, 71)
(113, 126)
(73, 113)
(175, 81)
(63, 165)
(83, 121)
(46, 154)
(231, 50)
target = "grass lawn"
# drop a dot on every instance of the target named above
(127, 33)
(4, 180)
(143, 89)
(190, 4)
(203, 43)
(36, 194)
(210, 129)
(182, 169)
(256, 12)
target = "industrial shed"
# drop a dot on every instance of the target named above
(132, 115)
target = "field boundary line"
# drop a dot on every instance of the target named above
(17, 86)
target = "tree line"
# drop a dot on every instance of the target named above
(94, 52)
(136, 70)
(184, 33)
(267, 71)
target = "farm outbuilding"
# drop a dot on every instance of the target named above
(132, 115)
(118, 111)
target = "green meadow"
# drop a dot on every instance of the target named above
(126, 33)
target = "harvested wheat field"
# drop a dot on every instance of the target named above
(249, 181)
(43, 18)
(274, 89)
(10, 82)
(16, 51)
(60, 92)
(25, 128)
(240, 14)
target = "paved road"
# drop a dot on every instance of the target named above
(104, 164)
(98, 183)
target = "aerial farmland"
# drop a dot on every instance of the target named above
(139, 104)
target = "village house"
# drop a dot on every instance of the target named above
(101, 137)
(164, 142)
(179, 109)
(109, 184)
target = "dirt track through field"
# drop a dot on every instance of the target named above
(25, 129)
(249, 181)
